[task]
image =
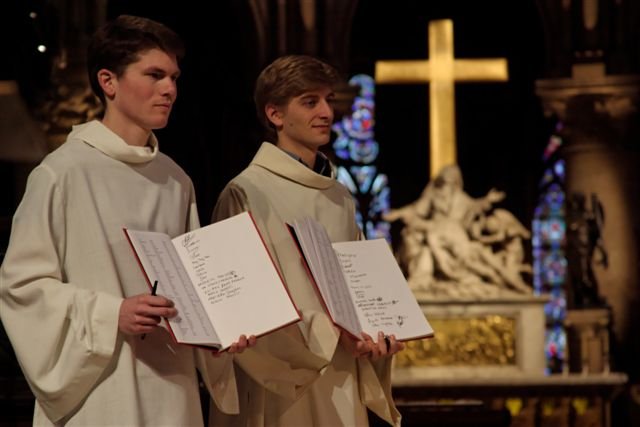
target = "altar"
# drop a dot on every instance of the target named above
(477, 339)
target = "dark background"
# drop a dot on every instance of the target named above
(213, 132)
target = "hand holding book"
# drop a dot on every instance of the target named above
(386, 346)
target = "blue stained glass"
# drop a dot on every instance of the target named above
(549, 232)
(360, 124)
(355, 143)
(381, 230)
(559, 169)
(379, 184)
(364, 176)
(345, 179)
(366, 83)
(364, 151)
(555, 347)
(556, 230)
(341, 147)
(556, 309)
(555, 198)
(555, 268)
(548, 177)
(549, 261)
(380, 203)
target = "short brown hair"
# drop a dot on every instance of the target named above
(288, 77)
(118, 43)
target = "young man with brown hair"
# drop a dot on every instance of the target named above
(73, 299)
(310, 373)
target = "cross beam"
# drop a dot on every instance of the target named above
(441, 71)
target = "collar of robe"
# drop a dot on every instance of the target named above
(104, 139)
(280, 163)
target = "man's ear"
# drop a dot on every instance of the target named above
(107, 81)
(274, 114)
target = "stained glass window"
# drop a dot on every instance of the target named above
(357, 150)
(549, 260)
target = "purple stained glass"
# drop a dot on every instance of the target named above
(556, 308)
(554, 266)
(549, 232)
(379, 230)
(364, 176)
(357, 150)
(558, 169)
(364, 151)
(549, 260)
(380, 203)
(341, 147)
(379, 184)
(345, 179)
(555, 348)
(360, 124)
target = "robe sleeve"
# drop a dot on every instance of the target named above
(280, 361)
(63, 335)
(219, 377)
(375, 380)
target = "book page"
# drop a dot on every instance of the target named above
(381, 294)
(160, 262)
(235, 279)
(327, 273)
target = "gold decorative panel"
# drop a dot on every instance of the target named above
(471, 341)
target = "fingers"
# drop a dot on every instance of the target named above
(387, 345)
(140, 314)
(242, 344)
(154, 305)
(395, 345)
(373, 350)
(147, 320)
(383, 348)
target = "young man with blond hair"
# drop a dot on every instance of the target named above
(309, 374)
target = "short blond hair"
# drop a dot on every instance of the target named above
(287, 77)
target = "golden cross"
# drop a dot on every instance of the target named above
(441, 71)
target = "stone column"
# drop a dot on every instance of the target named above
(599, 114)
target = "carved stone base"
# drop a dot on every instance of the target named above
(477, 339)
(588, 337)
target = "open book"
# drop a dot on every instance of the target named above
(220, 277)
(360, 284)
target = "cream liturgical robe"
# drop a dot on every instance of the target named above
(68, 268)
(300, 375)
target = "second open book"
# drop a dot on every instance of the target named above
(221, 279)
(360, 283)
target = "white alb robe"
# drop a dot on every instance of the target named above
(300, 375)
(68, 268)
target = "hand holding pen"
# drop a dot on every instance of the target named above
(140, 314)
(154, 289)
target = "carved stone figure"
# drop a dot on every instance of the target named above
(585, 247)
(454, 245)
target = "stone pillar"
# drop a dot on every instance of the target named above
(600, 117)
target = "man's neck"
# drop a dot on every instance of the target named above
(131, 134)
(306, 154)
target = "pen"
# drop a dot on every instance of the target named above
(153, 292)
